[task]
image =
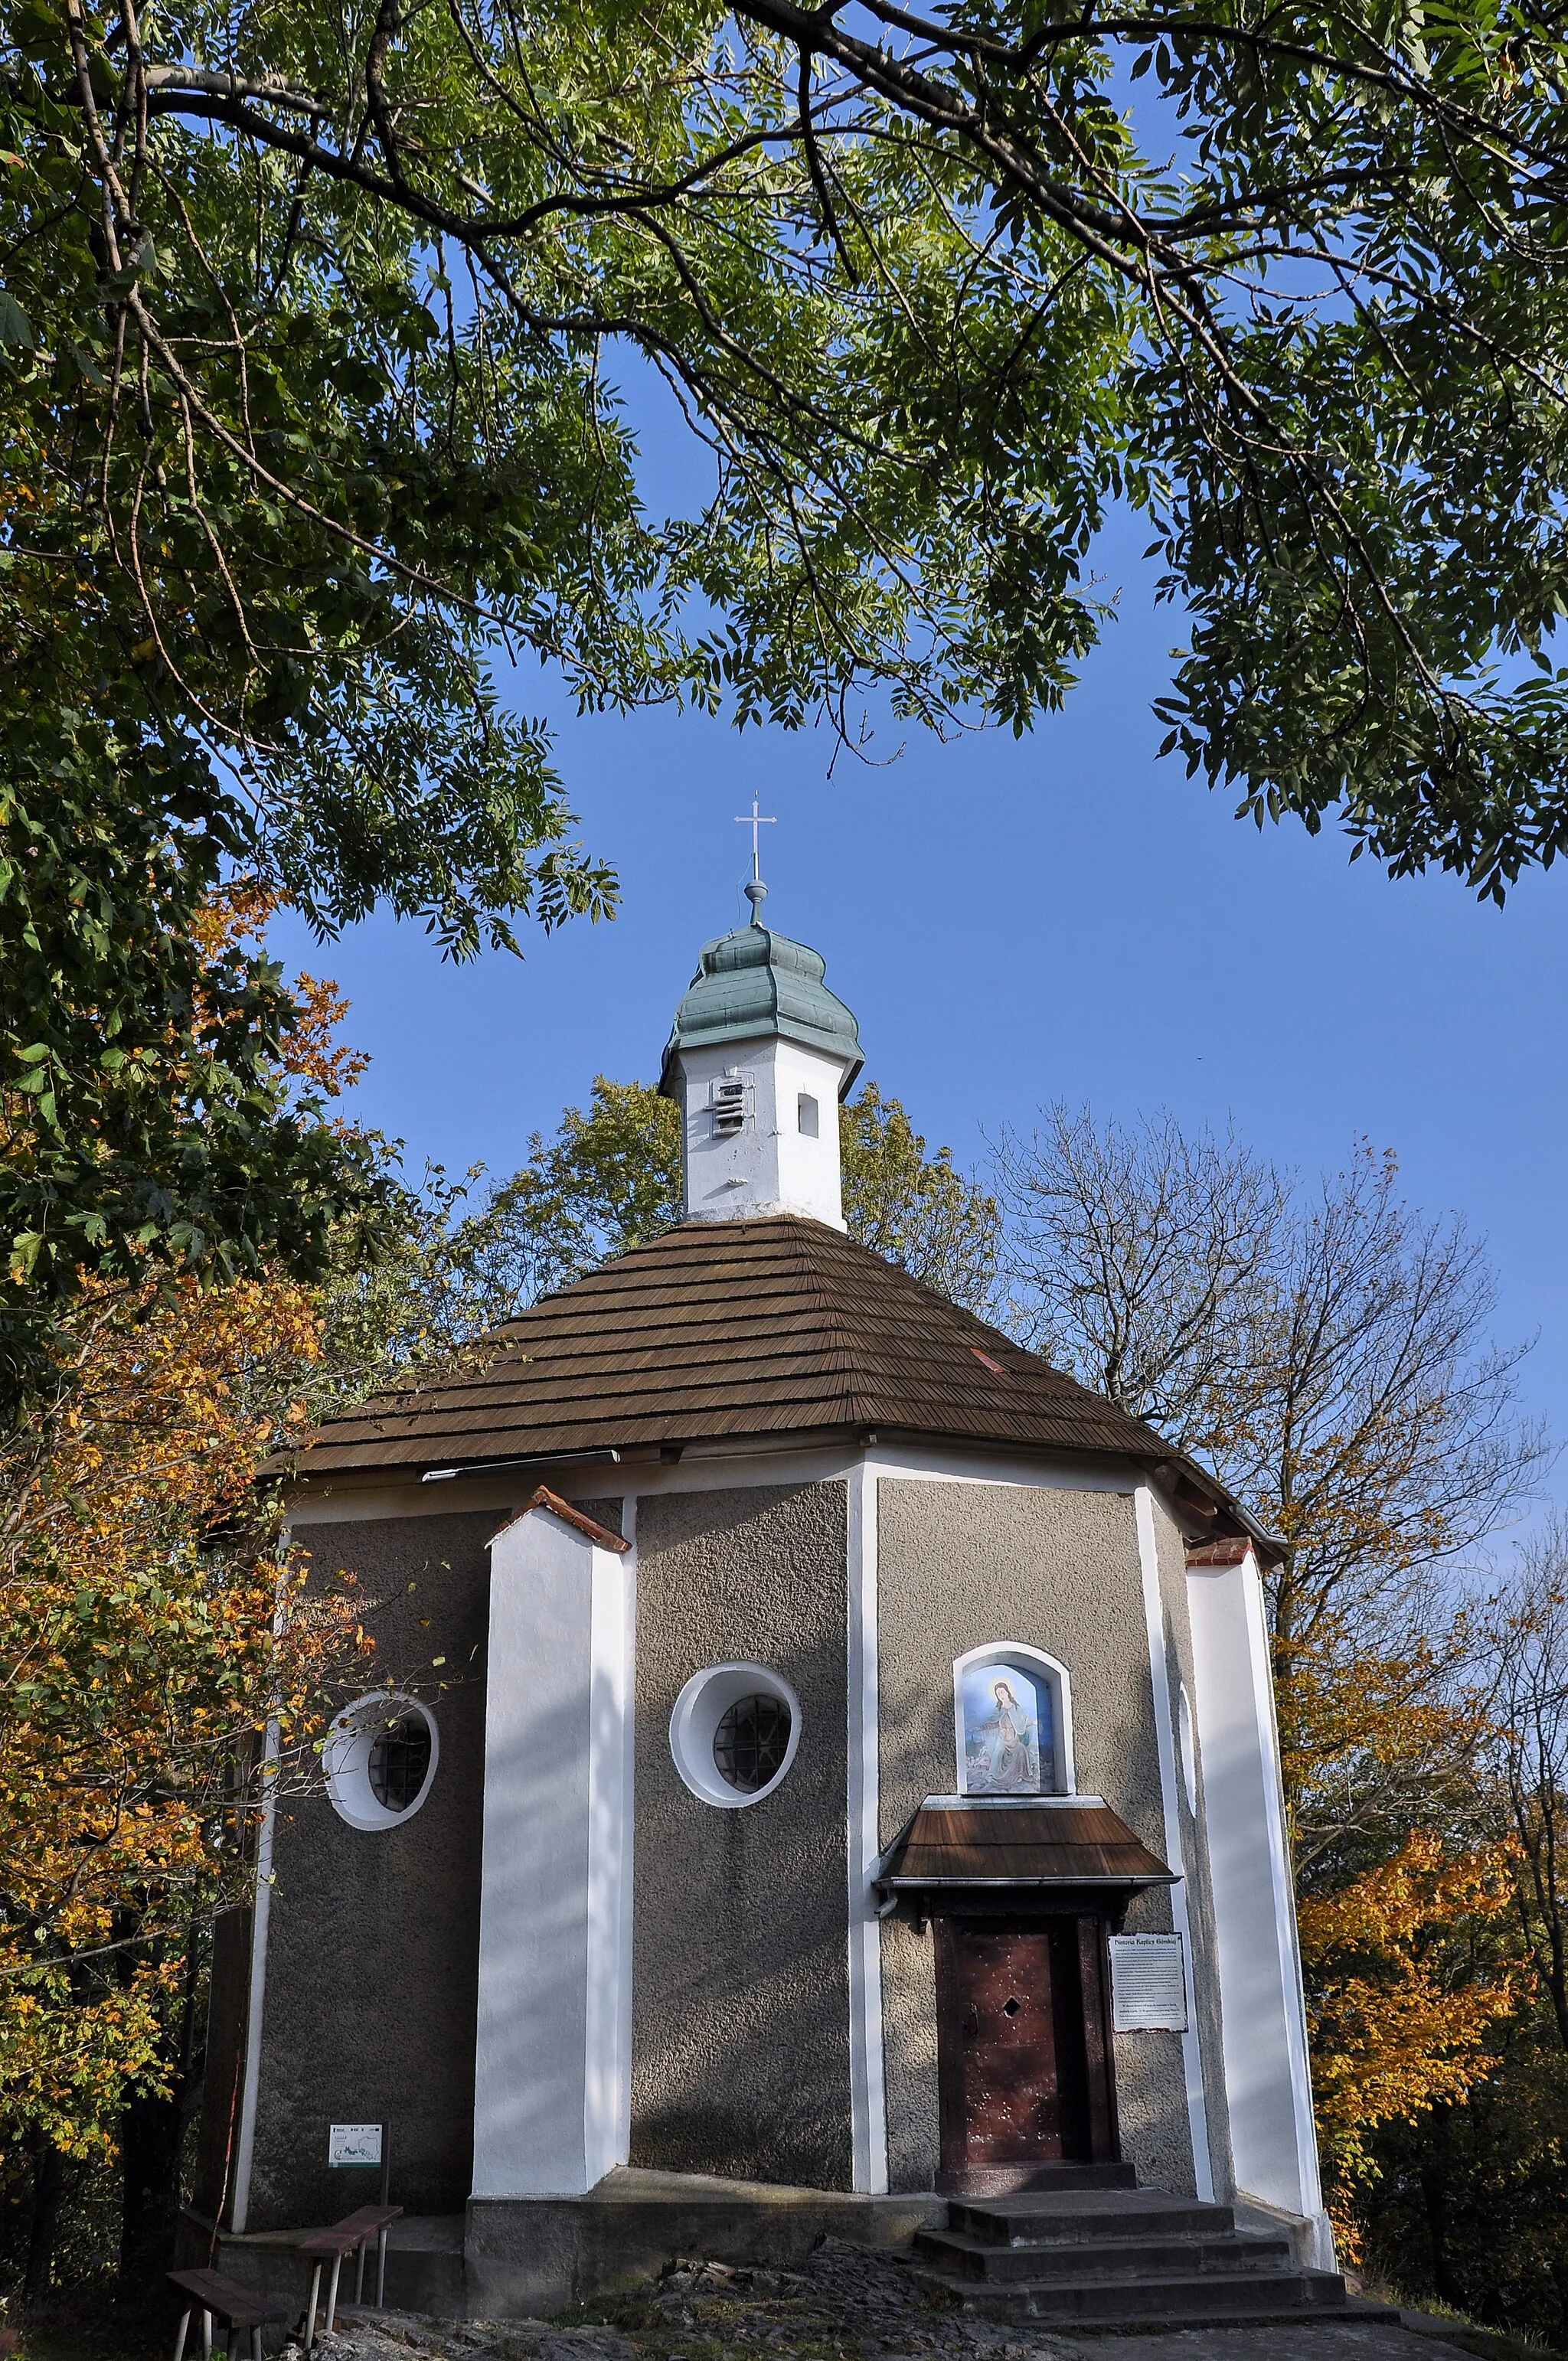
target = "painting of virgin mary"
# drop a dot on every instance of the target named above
(1002, 1732)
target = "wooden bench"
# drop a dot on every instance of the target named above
(239, 2308)
(352, 2234)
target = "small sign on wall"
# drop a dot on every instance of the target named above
(353, 2144)
(1148, 1983)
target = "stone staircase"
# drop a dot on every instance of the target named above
(1126, 2256)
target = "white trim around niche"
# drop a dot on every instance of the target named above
(1032, 1661)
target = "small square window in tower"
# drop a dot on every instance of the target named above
(805, 1116)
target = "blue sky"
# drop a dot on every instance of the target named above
(1064, 917)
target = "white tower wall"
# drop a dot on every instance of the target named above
(748, 1109)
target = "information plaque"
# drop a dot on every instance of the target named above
(1148, 1983)
(354, 2144)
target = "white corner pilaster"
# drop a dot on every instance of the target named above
(868, 2089)
(607, 2070)
(1268, 2084)
(255, 1998)
(1180, 1918)
(628, 1825)
(552, 2054)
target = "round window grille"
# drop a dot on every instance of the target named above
(379, 1759)
(734, 1733)
(751, 1740)
(399, 1762)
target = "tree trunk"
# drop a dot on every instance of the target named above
(48, 2182)
(150, 2137)
(152, 2141)
(1434, 2198)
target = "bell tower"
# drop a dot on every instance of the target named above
(760, 1056)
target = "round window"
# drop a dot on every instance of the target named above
(751, 1740)
(379, 1759)
(734, 1733)
(400, 1761)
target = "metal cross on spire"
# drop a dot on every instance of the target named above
(756, 820)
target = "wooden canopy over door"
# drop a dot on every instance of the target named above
(1022, 1896)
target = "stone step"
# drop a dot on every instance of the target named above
(1070, 2217)
(1000, 2183)
(1186, 2298)
(1144, 2256)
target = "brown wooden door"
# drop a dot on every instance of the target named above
(1017, 2051)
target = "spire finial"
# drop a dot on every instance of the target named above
(756, 891)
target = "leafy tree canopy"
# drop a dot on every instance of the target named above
(1327, 1348)
(152, 1624)
(163, 1090)
(319, 322)
(915, 1207)
(319, 330)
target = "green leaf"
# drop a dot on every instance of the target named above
(15, 328)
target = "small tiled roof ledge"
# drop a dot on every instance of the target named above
(552, 1502)
(1226, 1553)
(957, 1841)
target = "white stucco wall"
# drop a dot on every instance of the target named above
(769, 1165)
(1273, 2139)
(551, 2081)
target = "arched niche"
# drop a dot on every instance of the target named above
(1013, 1721)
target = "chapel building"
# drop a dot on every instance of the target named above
(814, 1743)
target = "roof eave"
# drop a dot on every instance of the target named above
(1131, 1882)
(859, 1434)
(1226, 1508)
(775, 1028)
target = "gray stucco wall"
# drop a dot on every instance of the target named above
(960, 1564)
(1171, 1553)
(741, 2008)
(372, 1954)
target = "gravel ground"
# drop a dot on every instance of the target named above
(842, 2305)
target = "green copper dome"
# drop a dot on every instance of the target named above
(755, 985)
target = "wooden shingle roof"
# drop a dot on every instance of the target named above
(1051, 1841)
(759, 1328)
